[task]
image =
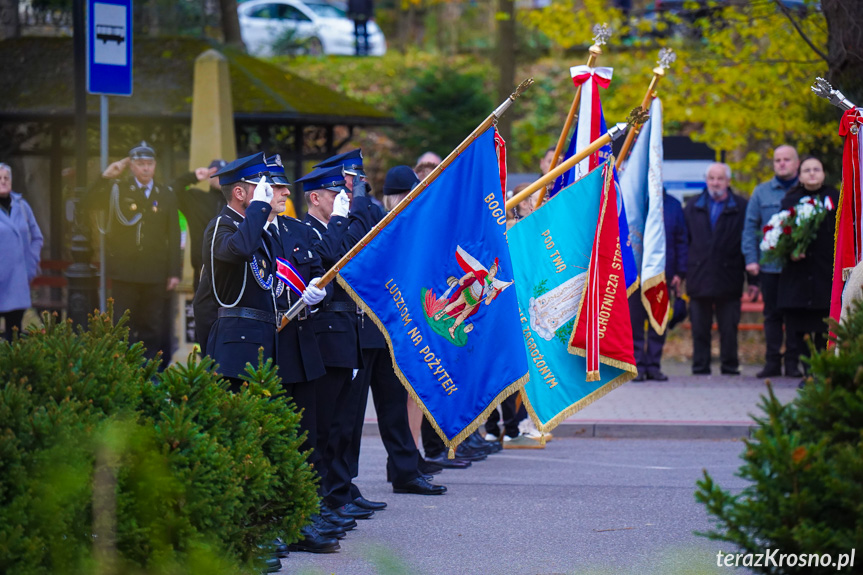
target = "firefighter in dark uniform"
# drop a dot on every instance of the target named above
(389, 395)
(239, 272)
(143, 244)
(335, 325)
(244, 303)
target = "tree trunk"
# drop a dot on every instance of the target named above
(10, 27)
(845, 46)
(505, 59)
(230, 23)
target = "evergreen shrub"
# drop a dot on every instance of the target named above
(104, 461)
(805, 465)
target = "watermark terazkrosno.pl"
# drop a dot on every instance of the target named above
(775, 558)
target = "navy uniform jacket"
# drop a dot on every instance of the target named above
(338, 331)
(143, 244)
(234, 341)
(299, 356)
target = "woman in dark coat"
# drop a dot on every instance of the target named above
(805, 283)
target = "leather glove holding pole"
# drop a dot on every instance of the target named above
(478, 131)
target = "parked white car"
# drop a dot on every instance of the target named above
(317, 26)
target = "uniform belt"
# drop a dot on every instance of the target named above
(304, 313)
(341, 306)
(248, 313)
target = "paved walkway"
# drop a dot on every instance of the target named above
(684, 407)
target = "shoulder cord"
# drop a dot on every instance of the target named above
(213, 271)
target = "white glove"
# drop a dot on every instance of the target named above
(313, 294)
(263, 191)
(342, 205)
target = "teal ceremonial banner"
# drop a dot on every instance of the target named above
(550, 251)
(438, 281)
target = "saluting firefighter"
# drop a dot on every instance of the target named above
(143, 258)
(239, 281)
(336, 326)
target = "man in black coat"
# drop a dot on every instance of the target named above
(715, 269)
(143, 258)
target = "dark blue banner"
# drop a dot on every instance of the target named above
(438, 281)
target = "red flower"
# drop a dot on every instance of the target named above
(767, 229)
(791, 212)
(786, 230)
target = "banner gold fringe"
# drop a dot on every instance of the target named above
(592, 376)
(577, 406)
(655, 280)
(453, 443)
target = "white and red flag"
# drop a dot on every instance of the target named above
(591, 122)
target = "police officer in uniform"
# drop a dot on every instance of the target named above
(335, 325)
(143, 243)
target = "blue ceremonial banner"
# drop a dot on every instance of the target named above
(550, 251)
(438, 281)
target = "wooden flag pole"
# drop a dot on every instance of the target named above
(595, 52)
(615, 132)
(666, 57)
(358, 247)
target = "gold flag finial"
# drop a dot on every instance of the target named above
(637, 116)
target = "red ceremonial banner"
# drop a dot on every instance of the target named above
(848, 218)
(603, 331)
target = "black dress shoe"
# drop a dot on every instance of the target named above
(429, 468)
(465, 452)
(730, 371)
(705, 371)
(314, 542)
(346, 523)
(769, 371)
(795, 373)
(328, 529)
(272, 564)
(280, 548)
(449, 463)
(419, 486)
(640, 376)
(657, 375)
(353, 511)
(371, 505)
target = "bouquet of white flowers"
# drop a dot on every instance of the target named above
(789, 233)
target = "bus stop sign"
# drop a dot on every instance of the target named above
(109, 47)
